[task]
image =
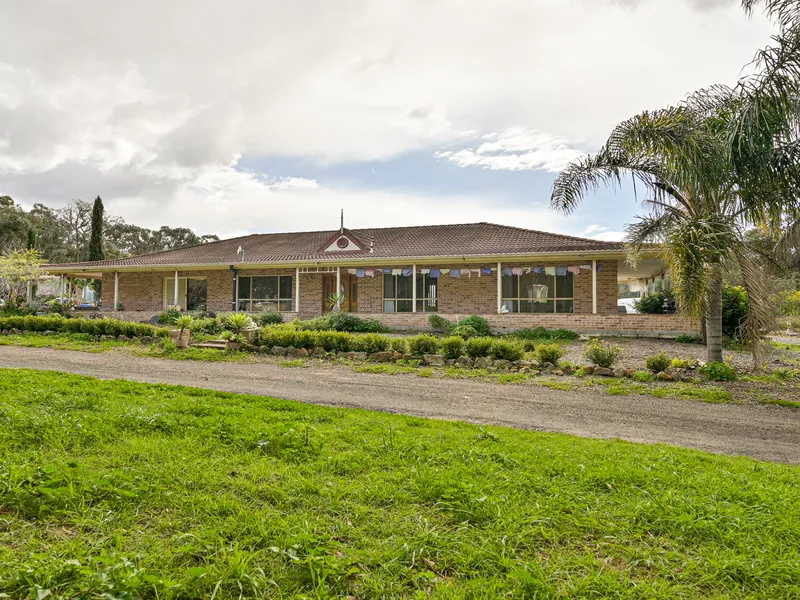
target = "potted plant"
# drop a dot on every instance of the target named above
(239, 325)
(335, 302)
(181, 334)
(233, 341)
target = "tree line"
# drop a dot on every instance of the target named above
(66, 234)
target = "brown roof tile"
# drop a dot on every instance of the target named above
(472, 239)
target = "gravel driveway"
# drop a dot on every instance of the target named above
(764, 432)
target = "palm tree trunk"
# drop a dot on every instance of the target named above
(714, 318)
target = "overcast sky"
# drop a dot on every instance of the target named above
(241, 117)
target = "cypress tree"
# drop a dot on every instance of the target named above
(96, 240)
(31, 243)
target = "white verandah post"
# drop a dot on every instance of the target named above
(339, 287)
(499, 289)
(297, 291)
(175, 294)
(414, 288)
(594, 287)
(116, 290)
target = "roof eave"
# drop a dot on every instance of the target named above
(344, 261)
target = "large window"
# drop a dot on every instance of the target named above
(192, 293)
(538, 292)
(265, 293)
(398, 293)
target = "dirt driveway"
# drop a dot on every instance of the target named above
(764, 432)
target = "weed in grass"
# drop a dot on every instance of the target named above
(555, 384)
(121, 489)
(295, 363)
(385, 368)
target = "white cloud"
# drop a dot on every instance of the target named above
(600, 232)
(151, 104)
(515, 149)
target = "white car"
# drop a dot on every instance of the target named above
(627, 306)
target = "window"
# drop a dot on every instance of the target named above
(256, 294)
(427, 293)
(538, 293)
(398, 293)
(192, 293)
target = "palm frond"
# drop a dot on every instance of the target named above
(761, 310)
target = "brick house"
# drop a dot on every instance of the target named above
(400, 275)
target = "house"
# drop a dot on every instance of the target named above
(399, 275)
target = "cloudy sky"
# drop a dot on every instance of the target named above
(237, 117)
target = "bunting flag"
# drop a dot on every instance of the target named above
(444, 271)
(455, 272)
(406, 272)
(370, 272)
(599, 268)
(538, 270)
(516, 271)
(561, 271)
(359, 272)
(575, 270)
(397, 271)
(486, 271)
(351, 271)
(424, 271)
(549, 270)
(506, 271)
(435, 273)
(387, 271)
(586, 267)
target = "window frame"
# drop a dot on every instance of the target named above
(278, 301)
(552, 295)
(395, 298)
(169, 289)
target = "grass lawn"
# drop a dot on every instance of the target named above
(125, 490)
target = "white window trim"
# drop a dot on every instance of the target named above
(167, 289)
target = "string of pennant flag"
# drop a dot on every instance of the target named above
(453, 272)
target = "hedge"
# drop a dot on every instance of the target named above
(104, 326)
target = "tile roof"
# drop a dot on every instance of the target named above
(472, 239)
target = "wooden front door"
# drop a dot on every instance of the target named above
(349, 289)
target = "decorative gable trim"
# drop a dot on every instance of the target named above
(342, 241)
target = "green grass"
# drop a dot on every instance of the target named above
(294, 363)
(680, 390)
(123, 490)
(82, 342)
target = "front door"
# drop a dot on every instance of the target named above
(349, 289)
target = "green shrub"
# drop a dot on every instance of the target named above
(643, 376)
(438, 322)
(717, 371)
(238, 322)
(302, 339)
(479, 324)
(342, 321)
(564, 334)
(479, 346)
(540, 333)
(507, 350)
(658, 362)
(103, 326)
(334, 341)
(453, 346)
(549, 353)
(683, 363)
(370, 342)
(465, 332)
(790, 303)
(399, 344)
(423, 344)
(689, 339)
(735, 305)
(601, 353)
(208, 325)
(279, 335)
(269, 317)
(168, 317)
(653, 304)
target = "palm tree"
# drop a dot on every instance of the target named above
(696, 206)
(723, 161)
